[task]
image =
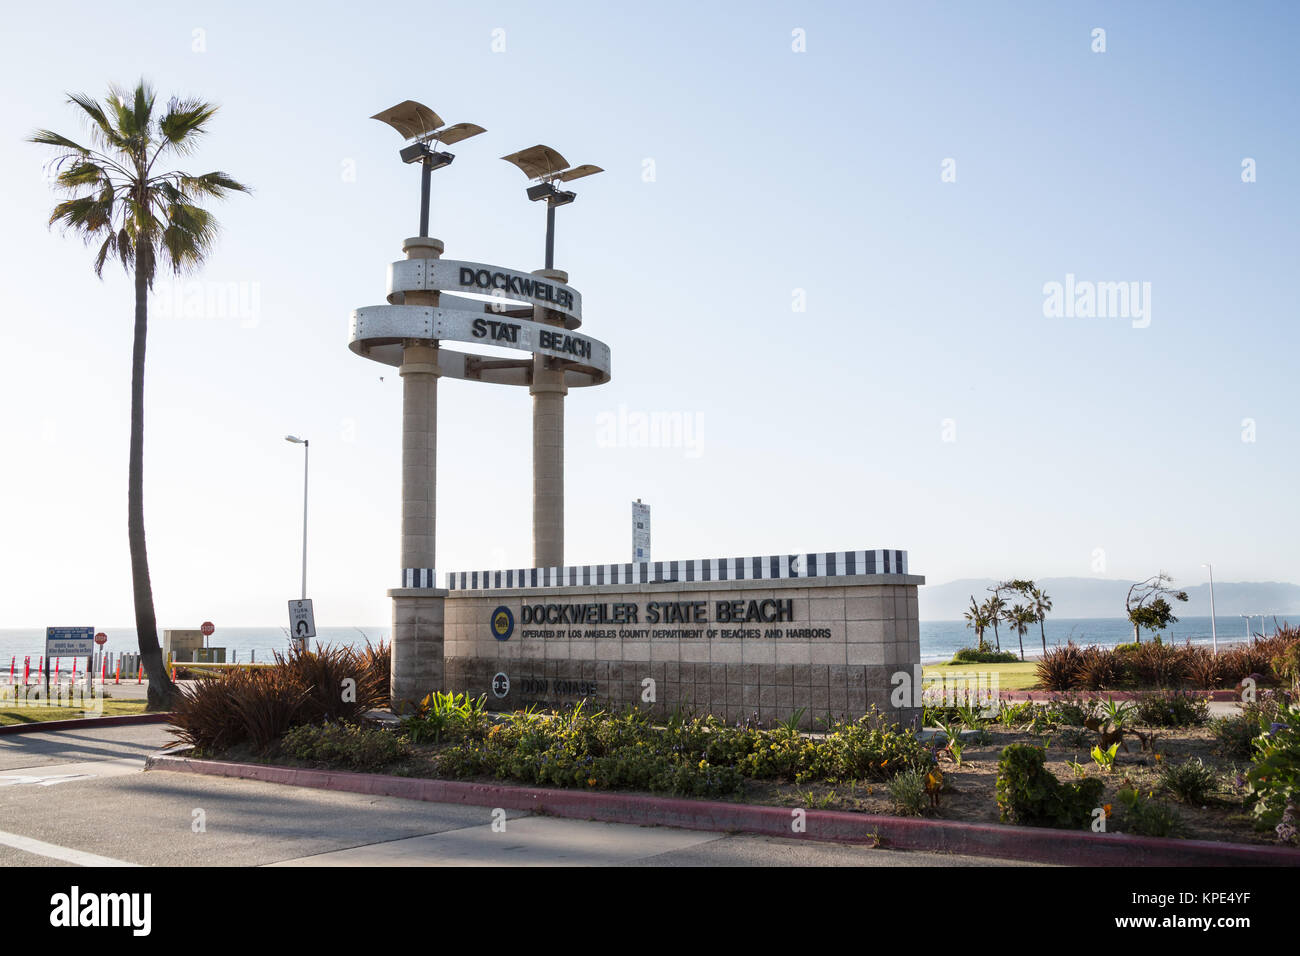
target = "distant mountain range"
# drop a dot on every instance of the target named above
(1099, 597)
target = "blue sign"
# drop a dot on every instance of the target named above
(69, 641)
(503, 623)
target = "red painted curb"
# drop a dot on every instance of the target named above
(46, 726)
(1047, 695)
(834, 826)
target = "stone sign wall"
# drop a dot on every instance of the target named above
(733, 648)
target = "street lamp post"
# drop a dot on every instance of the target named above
(306, 452)
(1214, 636)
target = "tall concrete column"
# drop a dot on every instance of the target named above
(417, 645)
(548, 391)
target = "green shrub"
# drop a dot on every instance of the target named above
(907, 791)
(1147, 817)
(339, 683)
(973, 655)
(1190, 781)
(445, 713)
(1234, 735)
(257, 705)
(1077, 738)
(1286, 664)
(352, 746)
(1029, 794)
(1157, 664)
(1274, 776)
(688, 756)
(1100, 669)
(1072, 712)
(1058, 669)
(1173, 709)
(1205, 669)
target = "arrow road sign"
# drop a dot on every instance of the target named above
(302, 621)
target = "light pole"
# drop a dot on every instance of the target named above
(306, 452)
(1214, 636)
(421, 126)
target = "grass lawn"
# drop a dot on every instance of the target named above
(10, 714)
(1017, 676)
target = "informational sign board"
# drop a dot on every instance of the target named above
(302, 620)
(640, 531)
(69, 641)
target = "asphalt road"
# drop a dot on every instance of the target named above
(82, 797)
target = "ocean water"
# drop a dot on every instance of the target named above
(939, 639)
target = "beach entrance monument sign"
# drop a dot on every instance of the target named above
(775, 634)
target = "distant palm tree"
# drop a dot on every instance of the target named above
(144, 217)
(978, 619)
(1040, 602)
(1018, 618)
(994, 608)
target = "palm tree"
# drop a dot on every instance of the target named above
(978, 619)
(1040, 602)
(993, 608)
(1019, 618)
(143, 217)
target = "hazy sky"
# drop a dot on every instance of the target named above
(921, 399)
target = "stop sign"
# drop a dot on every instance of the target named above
(101, 638)
(207, 628)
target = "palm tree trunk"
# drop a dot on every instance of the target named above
(1022, 645)
(1043, 633)
(997, 639)
(161, 689)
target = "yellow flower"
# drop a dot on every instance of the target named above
(591, 781)
(1106, 808)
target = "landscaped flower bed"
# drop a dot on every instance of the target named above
(1159, 766)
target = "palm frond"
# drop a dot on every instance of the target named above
(214, 184)
(103, 129)
(83, 173)
(46, 137)
(131, 116)
(189, 234)
(85, 214)
(184, 122)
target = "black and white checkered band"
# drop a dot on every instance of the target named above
(419, 578)
(771, 567)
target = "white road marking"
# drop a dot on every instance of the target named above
(48, 780)
(66, 854)
(45, 775)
